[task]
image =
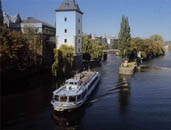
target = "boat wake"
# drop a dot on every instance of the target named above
(156, 67)
(118, 87)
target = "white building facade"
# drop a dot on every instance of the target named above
(69, 25)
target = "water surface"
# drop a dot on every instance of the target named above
(142, 101)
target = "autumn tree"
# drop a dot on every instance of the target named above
(12, 49)
(35, 45)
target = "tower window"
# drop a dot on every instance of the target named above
(78, 31)
(65, 19)
(65, 40)
(65, 30)
(66, 5)
(79, 41)
(79, 20)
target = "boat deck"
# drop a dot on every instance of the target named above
(65, 92)
(76, 89)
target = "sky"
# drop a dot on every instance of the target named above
(103, 17)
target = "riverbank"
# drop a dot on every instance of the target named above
(16, 81)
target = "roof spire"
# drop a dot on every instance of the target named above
(69, 5)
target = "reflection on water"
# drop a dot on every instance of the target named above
(124, 92)
(68, 120)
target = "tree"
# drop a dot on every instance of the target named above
(64, 57)
(86, 57)
(124, 37)
(34, 45)
(1, 14)
(12, 49)
(148, 48)
(93, 47)
(157, 38)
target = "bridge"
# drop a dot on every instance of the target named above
(114, 51)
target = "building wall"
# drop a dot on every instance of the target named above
(79, 32)
(34, 25)
(61, 25)
(73, 25)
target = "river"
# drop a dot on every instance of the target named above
(141, 101)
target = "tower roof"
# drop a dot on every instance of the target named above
(69, 5)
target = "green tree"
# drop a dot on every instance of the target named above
(124, 40)
(149, 48)
(93, 47)
(157, 38)
(64, 57)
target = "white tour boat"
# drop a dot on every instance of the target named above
(75, 91)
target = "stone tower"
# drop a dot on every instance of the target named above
(1, 14)
(69, 27)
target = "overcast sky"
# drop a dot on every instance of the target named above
(146, 17)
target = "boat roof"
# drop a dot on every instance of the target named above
(65, 92)
(72, 80)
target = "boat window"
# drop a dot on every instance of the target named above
(63, 98)
(57, 98)
(72, 99)
(78, 97)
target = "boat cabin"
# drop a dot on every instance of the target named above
(72, 85)
(71, 92)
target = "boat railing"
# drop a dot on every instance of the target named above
(62, 87)
(86, 83)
